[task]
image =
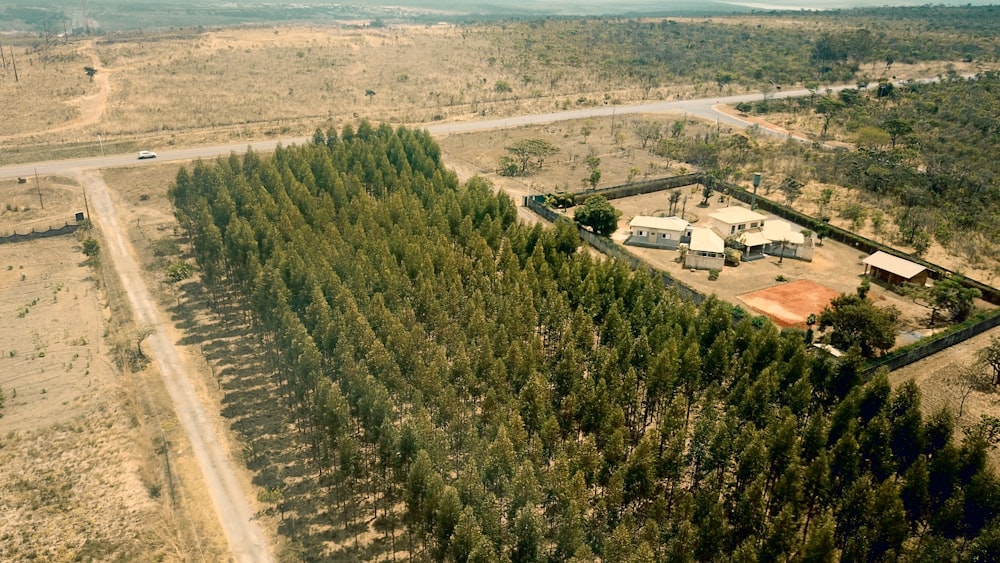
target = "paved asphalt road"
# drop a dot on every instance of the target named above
(701, 108)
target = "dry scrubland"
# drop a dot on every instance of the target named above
(234, 85)
(77, 483)
(86, 431)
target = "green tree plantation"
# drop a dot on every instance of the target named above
(469, 388)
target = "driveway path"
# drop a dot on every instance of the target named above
(246, 540)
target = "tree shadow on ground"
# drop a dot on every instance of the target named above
(322, 516)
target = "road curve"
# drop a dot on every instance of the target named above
(703, 108)
(246, 539)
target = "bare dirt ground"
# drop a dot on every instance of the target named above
(834, 265)
(102, 465)
(790, 304)
(937, 378)
(38, 204)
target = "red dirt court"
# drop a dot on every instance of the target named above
(789, 304)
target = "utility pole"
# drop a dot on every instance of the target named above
(86, 205)
(99, 140)
(38, 187)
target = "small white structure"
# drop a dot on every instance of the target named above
(783, 239)
(730, 221)
(707, 250)
(657, 232)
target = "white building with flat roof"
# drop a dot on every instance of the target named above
(730, 221)
(657, 232)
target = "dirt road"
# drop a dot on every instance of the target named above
(246, 540)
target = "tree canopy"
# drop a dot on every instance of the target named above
(598, 214)
(531, 153)
(856, 321)
(463, 386)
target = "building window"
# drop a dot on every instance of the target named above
(753, 225)
(666, 236)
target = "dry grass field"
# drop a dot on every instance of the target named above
(231, 85)
(100, 464)
(86, 428)
(250, 84)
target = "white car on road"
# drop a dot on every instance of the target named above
(146, 154)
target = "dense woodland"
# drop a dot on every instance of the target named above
(733, 53)
(474, 389)
(925, 152)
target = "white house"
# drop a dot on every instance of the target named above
(657, 232)
(706, 251)
(730, 221)
(759, 235)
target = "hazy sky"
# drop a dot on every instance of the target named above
(593, 7)
(111, 15)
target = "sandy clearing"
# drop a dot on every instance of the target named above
(789, 304)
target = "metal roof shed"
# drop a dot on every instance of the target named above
(893, 269)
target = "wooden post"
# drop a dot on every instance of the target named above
(14, 64)
(86, 206)
(38, 187)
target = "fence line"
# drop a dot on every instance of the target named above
(932, 345)
(863, 244)
(609, 248)
(66, 229)
(893, 361)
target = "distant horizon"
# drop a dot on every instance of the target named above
(626, 7)
(55, 16)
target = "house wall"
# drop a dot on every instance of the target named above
(893, 279)
(653, 238)
(726, 230)
(797, 251)
(697, 261)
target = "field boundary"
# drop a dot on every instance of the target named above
(34, 234)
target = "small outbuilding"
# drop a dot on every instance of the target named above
(894, 270)
(783, 239)
(658, 232)
(707, 250)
